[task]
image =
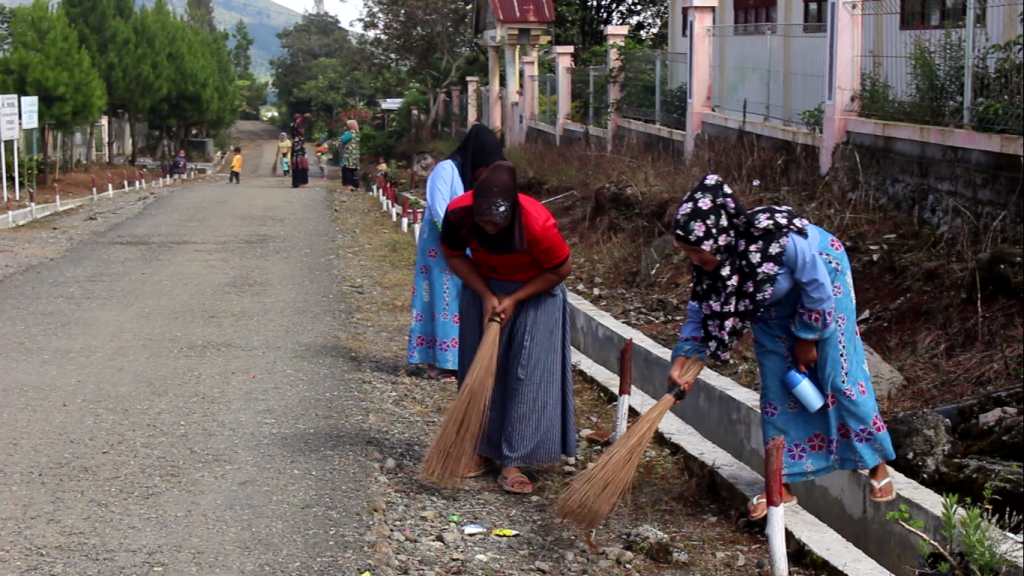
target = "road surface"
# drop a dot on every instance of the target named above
(170, 398)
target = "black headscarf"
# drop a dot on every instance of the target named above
(495, 200)
(750, 244)
(479, 148)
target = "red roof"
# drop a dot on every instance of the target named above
(524, 11)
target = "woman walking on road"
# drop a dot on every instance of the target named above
(515, 272)
(350, 157)
(300, 164)
(771, 270)
(434, 327)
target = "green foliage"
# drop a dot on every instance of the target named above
(814, 119)
(582, 23)
(252, 92)
(935, 85)
(305, 82)
(968, 544)
(46, 59)
(430, 40)
(638, 78)
(378, 143)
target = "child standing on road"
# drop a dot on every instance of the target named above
(179, 166)
(284, 164)
(321, 160)
(236, 167)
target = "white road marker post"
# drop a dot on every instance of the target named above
(776, 528)
(625, 389)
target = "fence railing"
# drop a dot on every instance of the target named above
(774, 72)
(590, 96)
(653, 87)
(953, 64)
(546, 110)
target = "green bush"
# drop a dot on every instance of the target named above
(377, 143)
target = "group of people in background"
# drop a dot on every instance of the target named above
(292, 160)
(486, 251)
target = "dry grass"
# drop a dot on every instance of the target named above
(452, 453)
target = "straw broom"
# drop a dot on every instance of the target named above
(452, 453)
(593, 495)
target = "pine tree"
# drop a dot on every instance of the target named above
(47, 60)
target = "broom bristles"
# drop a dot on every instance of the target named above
(594, 494)
(452, 452)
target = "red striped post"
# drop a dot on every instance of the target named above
(56, 195)
(625, 389)
(93, 186)
(110, 184)
(776, 528)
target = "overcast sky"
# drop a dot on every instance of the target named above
(345, 10)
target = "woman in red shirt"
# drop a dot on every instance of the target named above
(515, 269)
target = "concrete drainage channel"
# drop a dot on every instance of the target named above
(718, 427)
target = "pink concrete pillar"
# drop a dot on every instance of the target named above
(845, 29)
(472, 90)
(528, 103)
(616, 36)
(701, 15)
(494, 88)
(563, 80)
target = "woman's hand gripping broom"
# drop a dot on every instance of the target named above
(593, 495)
(453, 451)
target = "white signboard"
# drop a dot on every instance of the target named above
(9, 117)
(29, 112)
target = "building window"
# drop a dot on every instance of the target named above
(933, 14)
(754, 16)
(686, 22)
(815, 12)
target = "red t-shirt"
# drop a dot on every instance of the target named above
(545, 247)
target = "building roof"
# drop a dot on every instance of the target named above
(523, 11)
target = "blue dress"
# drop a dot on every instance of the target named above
(813, 300)
(434, 326)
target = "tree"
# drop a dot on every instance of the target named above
(316, 37)
(428, 39)
(253, 92)
(581, 23)
(200, 15)
(105, 30)
(46, 59)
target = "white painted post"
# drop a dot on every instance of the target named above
(625, 389)
(94, 188)
(776, 527)
(56, 193)
(110, 185)
(3, 170)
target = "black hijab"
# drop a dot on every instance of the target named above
(750, 244)
(495, 201)
(479, 148)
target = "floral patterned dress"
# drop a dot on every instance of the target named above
(434, 322)
(813, 299)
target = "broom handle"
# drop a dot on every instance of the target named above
(691, 369)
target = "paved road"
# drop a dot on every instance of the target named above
(169, 401)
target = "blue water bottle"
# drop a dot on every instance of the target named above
(805, 390)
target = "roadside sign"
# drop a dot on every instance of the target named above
(9, 117)
(29, 112)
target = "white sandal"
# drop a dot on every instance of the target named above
(758, 500)
(877, 486)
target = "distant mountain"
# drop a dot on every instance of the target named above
(264, 18)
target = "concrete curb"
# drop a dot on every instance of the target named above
(731, 475)
(728, 416)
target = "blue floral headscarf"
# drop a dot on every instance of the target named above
(750, 245)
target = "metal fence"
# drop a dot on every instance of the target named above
(590, 96)
(954, 64)
(653, 87)
(546, 110)
(774, 72)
